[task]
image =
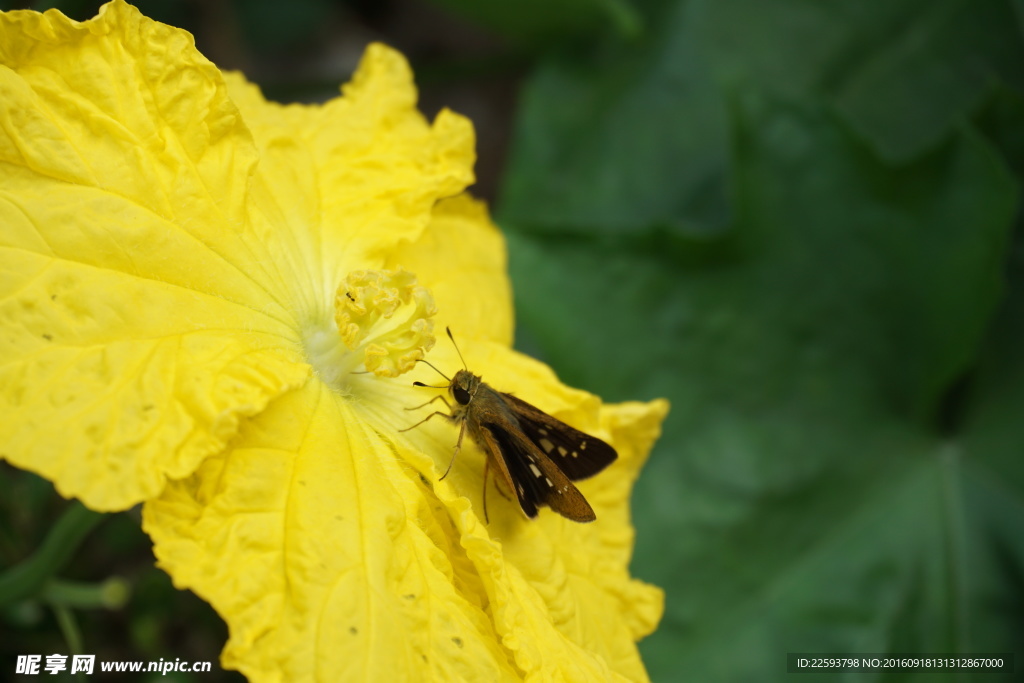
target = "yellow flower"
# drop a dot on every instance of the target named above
(207, 301)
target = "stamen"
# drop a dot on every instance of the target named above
(383, 320)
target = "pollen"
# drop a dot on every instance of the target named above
(384, 318)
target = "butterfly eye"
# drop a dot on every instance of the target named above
(461, 395)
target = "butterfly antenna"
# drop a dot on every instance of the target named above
(449, 331)
(420, 360)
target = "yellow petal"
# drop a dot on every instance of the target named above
(463, 252)
(345, 182)
(326, 554)
(139, 321)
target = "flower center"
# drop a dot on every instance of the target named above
(383, 326)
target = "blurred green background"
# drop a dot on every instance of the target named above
(798, 220)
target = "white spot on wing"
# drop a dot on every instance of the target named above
(546, 445)
(562, 451)
(548, 481)
(536, 472)
(583, 446)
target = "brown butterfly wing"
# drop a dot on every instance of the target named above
(576, 453)
(535, 479)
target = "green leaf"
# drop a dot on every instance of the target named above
(630, 136)
(822, 485)
(903, 73)
(626, 139)
(543, 22)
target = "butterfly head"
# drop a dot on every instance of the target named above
(463, 388)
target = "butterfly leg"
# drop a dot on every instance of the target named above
(436, 412)
(439, 396)
(458, 445)
(487, 467)
(497, 487)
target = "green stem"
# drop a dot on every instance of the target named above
(27, 578)
(111, 594)
(72, 634)
(69, 627)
